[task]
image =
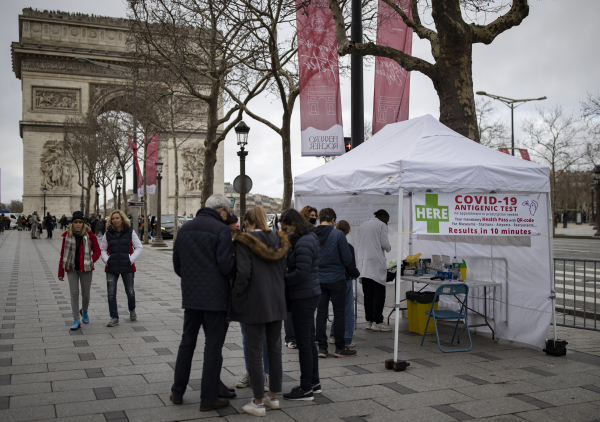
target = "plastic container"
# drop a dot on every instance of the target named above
(417, 304)
(463, 270)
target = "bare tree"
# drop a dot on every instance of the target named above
(492, 132)
(15, 206)
(553, 138)
(451, 47)
(590, 112)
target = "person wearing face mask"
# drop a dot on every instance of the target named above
(120, 248)
(373, 242)
(310, 213)
(78, 253)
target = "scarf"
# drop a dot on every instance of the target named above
(69, 252)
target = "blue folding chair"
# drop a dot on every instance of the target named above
(443, 315)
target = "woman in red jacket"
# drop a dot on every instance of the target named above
(77, 256)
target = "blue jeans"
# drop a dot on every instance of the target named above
(111, 287)
(265, 350)
(349, 312)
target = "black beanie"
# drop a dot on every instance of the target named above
(77, 215)
(381, 212)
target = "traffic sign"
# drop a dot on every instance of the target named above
(135, 204)
(237, 184)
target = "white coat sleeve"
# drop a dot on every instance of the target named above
(137, 247)
(104, 249)
(385, 241)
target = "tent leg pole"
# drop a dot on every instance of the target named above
(551, 257)
(398, 265)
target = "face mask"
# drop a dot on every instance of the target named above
(313, 220)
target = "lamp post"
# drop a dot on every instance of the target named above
(45, 189)
(241, 131)
(597, 182)
(158, 240)
(134, 197)
(97, 186)
(511, 104)
(592, 220)
(357, 109)
(119, 177)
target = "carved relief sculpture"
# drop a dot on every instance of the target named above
(57, 170)
(193, 158)
(56, 99)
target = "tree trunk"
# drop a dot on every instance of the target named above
(176, 169)
(210, 150)
(454, 86)
(145, 213)
(104, 188)
(288, 182)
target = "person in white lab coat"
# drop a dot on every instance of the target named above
(372, 243)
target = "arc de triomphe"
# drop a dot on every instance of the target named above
(55, 85)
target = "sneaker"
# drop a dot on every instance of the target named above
(369, 325)
(298, 394)
(322, 353)
(244, 381)
(292, 345)
(381, 327)
(132, 315)
(317, 388)
(266, 382)
(344, 353)
(374, 327)
(272, 404)
(113, 322)
(84, 317)
(176, 400)
(353, 344)
(255, 409)
(76, 325)
(332, 340)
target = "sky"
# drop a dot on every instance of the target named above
(552, 53)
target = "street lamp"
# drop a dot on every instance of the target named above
(158, 240)
(134, 211)
(97, 186)
(242, 131)
(511, 104)
(597, 182)
(45, 189)
(592, 221)
(119, 177)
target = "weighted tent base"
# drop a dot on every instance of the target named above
(397, 366)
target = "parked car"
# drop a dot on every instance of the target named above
(167, 225)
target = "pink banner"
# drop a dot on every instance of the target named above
(392, 81)
(151, 159)
(140, 178)
(504, 150)
(524, 154)
(320, 103)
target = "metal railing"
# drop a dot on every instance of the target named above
(577, 292)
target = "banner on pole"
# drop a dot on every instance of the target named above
(392, 81)
(320, 104)
(136, 163)
(504, 150)
(476, 214)
(524, 154)
(151, 159)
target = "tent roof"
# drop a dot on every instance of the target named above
(420, 154)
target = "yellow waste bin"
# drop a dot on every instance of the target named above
(418, 303)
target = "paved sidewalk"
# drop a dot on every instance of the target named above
(577, 231)
(125, 373)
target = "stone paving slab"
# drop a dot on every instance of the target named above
(125, 373)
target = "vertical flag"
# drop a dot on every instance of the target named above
(138, 171)
(504, 150)
(320, 103)
(392, 81)
(151, 159)
(524, 154)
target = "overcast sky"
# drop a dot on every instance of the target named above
(554, 52)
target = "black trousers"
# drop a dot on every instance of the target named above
(336, 292)
(303, 319)
(255, 335)
(374, 300)
(215, 329)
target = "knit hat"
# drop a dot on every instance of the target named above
(77, 215)
(382, 213)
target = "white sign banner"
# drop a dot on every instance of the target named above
(477, 214)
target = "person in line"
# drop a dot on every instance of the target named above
(334, 255)
(304, 294)
(78, 253)
(101, 226)
(258, 302)
(49, 225)
(120, 248)
(310, 213)
(19, 223)
(373, 242)
(351, 273)
(565, 216)
(63, 222)
(203, 256)
(33, 220)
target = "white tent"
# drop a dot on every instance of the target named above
(421, 155)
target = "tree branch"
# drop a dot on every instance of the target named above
(487, 33)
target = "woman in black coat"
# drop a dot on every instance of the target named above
(304, 294)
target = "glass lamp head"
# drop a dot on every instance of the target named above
(242, 131)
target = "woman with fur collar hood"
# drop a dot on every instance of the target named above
(258, 302)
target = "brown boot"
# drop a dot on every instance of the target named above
(176, 400)
(219, 404)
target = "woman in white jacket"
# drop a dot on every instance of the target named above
(373, 242)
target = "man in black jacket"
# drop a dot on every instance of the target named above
(203, 257)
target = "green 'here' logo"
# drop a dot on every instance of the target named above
(432, 213)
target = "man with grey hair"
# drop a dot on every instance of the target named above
(203, 257)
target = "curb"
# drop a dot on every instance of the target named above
(564, 236)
